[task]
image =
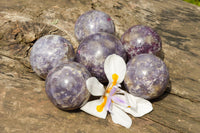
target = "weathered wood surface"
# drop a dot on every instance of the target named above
(24, 106)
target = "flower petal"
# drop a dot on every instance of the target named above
(138, 106)
(119, 99)
(90, 108)
(120, 117)
(143, 106)
(95, 87)
(114, 64)
(108, 104)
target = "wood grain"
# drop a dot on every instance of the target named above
(24, 106)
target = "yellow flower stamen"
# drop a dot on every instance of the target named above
(115, 78)
(101, 106)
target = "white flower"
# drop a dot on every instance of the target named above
(113, 99)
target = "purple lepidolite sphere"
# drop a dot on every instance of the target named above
(147, 76)
(92, 22)
(48, 51)
(66, 86)
(141, 39)
(93, 51)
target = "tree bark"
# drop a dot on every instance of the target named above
(24, 106)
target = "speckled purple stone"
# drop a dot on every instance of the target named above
(48, 51)
(66, 86)
(93, 51)
(141, 39)
(92, 22)
(147, 76)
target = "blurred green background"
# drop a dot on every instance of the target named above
(196, 2)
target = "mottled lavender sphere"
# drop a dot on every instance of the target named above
(141, 39)
(48, 51)
(66, 86)
(93, 51)
(92, 22)
(147, 76)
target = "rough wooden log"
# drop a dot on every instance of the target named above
(24, 106)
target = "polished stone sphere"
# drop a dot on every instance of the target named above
(93, 51)
(92, 22)
(48, 51)
(141, 39)
(147, 76)
(66, 86)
